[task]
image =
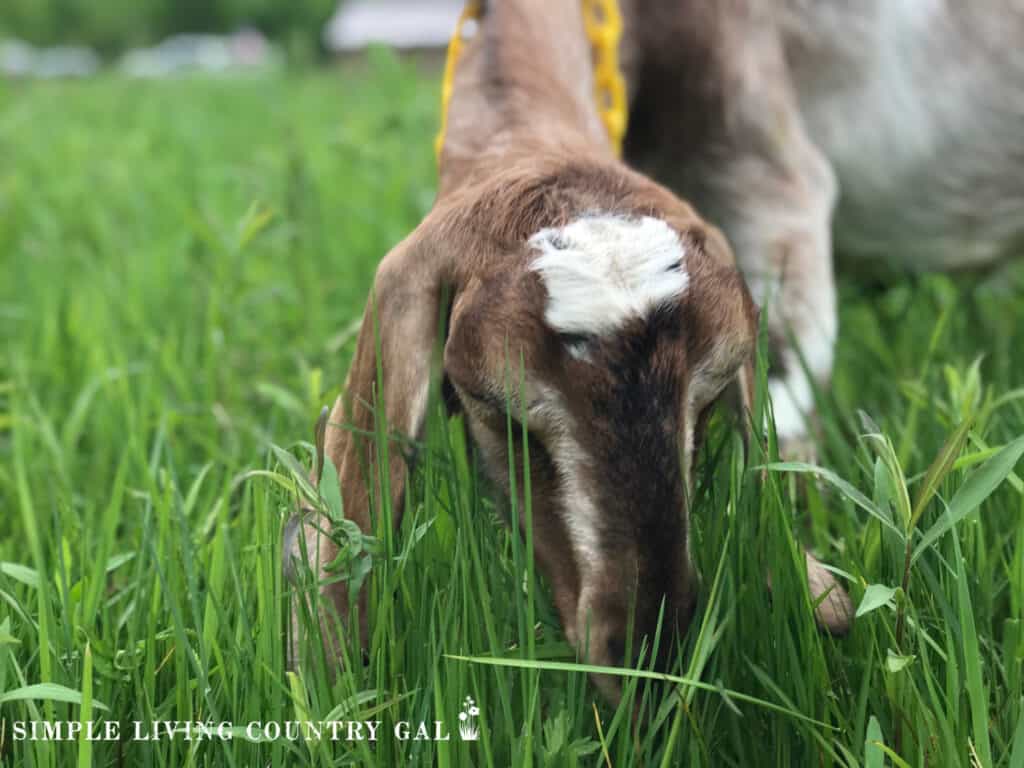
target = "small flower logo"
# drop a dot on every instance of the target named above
(468, 729)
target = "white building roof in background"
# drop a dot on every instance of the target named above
(398, 23)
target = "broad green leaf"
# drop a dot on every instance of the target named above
(874, 757)
(894, 662)
(1013, 478)
(22, 573)
(875, 596)
(978, 487)
(969, 460)
(117, 561)
(47, 692)
(839, 484)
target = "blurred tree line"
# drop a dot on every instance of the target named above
(113, 25)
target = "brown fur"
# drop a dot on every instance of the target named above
(525, 151)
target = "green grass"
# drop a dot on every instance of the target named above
(182, 265)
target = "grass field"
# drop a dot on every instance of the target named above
(182, 264)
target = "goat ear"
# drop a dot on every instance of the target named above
(745, 386)
(717, 246)
(386, 393)
(389, 380)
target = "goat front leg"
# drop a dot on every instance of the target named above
(777, 212)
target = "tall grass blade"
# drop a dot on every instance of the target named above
(1017, 750)
(941, 467)
(84, 742)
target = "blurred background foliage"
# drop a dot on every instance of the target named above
(113, 25)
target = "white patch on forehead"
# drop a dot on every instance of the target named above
(600, 271)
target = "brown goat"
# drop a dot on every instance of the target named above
(624, 306)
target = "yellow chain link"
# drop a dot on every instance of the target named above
(603, 24)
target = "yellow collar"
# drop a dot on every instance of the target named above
(603, 24)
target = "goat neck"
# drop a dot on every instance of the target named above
(523, 85)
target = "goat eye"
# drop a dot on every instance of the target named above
(576, 344)
(573, 339)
